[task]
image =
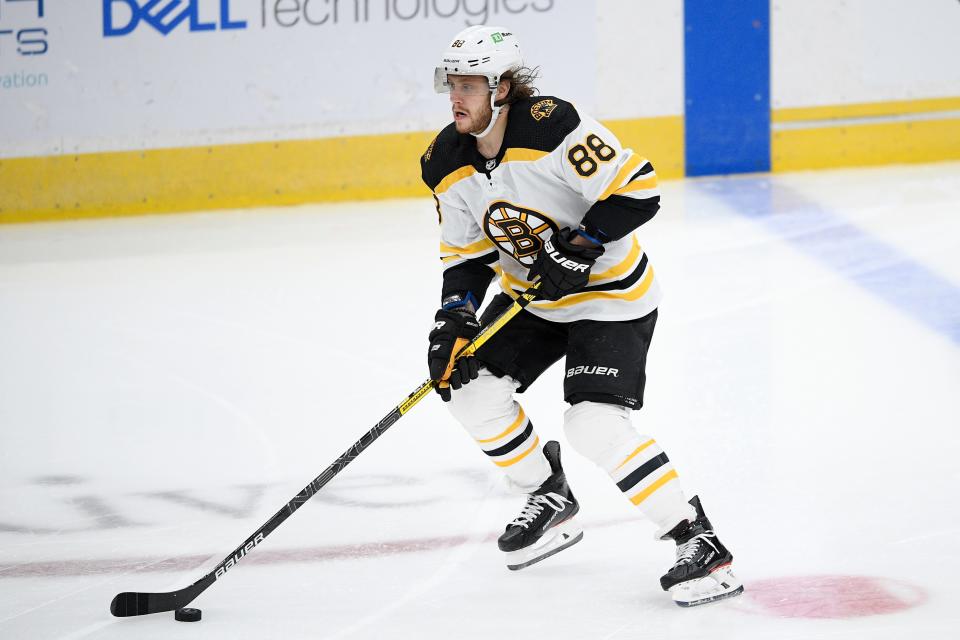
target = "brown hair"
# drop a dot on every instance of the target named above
(521, 84)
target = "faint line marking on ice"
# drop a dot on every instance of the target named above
(447, 567)
(877, 267)
(264, 557)
(928, 536)
(62, 568)
(829, 596)
(47, 603)
(243, 418)
(86, 631)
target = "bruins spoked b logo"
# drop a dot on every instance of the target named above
(517, 230)
(542, 109)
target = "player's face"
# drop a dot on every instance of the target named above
(470, 102)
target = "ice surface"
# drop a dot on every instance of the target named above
(167, 383)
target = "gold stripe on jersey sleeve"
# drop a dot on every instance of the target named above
(627, 170)
(520, 154)
(613, 272)
(622, 267)
(454, 177)
(511, 281)
(629, 295)
(650, 182)
(481, 245)
(521, 418)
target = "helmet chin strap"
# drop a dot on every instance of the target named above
(495, 113)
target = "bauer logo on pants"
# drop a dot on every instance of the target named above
(593, 370)
(518, 231)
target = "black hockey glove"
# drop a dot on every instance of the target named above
(452, 331)
(563, 267)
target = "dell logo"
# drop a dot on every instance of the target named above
(121, 17)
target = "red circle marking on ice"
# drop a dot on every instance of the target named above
(830, 596)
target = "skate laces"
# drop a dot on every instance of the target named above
(689, 549)
(534, 507)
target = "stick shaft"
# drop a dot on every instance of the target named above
(134, 603)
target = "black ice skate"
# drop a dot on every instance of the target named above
(702, 572)
(545, 526)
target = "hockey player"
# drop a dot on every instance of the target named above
(529, 189)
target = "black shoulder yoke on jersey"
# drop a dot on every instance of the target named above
(448, 152)
(540, 123)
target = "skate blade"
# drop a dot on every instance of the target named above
(557, 539)
(720, 584)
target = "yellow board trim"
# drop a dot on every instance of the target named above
(865, 110)
(257, 174)
(124, 183)
(521, 418)
(661, 139)
(646, 493)
(865, 145)
(292, 172)
(511, 461)
(634, 454)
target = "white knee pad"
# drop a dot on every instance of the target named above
(486, 400)
(600, 432)
(487, 410)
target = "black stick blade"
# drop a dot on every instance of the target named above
(130, 603)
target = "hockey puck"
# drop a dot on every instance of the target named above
(187, 615)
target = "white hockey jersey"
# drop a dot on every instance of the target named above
(554, 164)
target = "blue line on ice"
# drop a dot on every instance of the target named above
(877, 267)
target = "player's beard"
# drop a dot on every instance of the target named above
(481, 118)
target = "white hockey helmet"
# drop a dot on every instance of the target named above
(480, 51)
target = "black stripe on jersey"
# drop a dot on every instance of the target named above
(644, 170)
(513, 444)
(488, 258)
(642, 472)
(617, 216)
(624, 283)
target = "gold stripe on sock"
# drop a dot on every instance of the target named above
(639, 449)
(643, 495)
(516, 423)
(507, 463)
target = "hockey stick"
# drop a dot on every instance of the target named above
(132, 603)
